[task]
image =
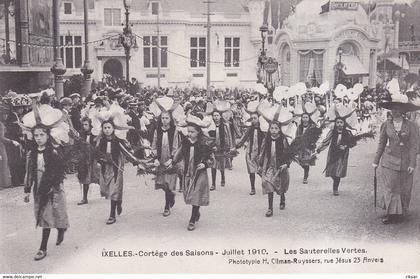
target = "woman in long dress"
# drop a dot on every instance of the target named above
(396, 155)
(223, 144)
(305, 158)
(87, 170)
(111, 153)
(195, 154)
(274, 166)
(44, 175)
(254, 138)
(45, 172)
(309, 117)
(165, 143)
(339, 140)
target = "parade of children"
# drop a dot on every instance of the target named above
(194, 140)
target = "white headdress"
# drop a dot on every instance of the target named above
(47, 117)
(117, 115)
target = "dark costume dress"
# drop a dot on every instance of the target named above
(165, 143)
(136, 136)
(224, 143)
(337, 159)
(270, 160)
(196, 182)
(254, 137)
(87, 168)
(111, 155)
(305, 157)
(45, 175)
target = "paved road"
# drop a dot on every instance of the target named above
(313, 218)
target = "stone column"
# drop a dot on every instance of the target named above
(24, 33)
(86, 69)
(58, 68)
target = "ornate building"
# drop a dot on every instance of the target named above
(319, 34)
(235, 40)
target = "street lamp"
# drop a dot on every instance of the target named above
(339, 66)
(267, 66)
(127, 38)
(263, 30)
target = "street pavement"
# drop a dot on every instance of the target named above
(313, 218)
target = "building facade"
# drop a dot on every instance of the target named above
(408, 44)
(320, 34)
(26, 52)
(235, 40)
(398, 25)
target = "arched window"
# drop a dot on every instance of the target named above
(349, 49)
(311, 66)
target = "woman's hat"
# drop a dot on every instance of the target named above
(260, 89)
(21, 101)
(346, 113)
(282, 116)
(308, 108)
(114, 114)
(194, 120)
(47, 117)
(281, 92)
(166, 104)
(252, 107)
(340, 91)
(66, 101)
(162, 104)
(298, 89)
(278, 114)
(219, 106)
(75, 95)
(396, 100)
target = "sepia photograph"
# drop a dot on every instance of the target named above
(209, 137)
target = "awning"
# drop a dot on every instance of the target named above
(353, 66)
(400, 62)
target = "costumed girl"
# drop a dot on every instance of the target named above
(45, 171)
(253, 137)
(111, 150)
(339, 139)
(87, 170)
(223, 141)
(309, 117)
(396, 154)
(165, 143)
(195, 153)
(273, 161)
